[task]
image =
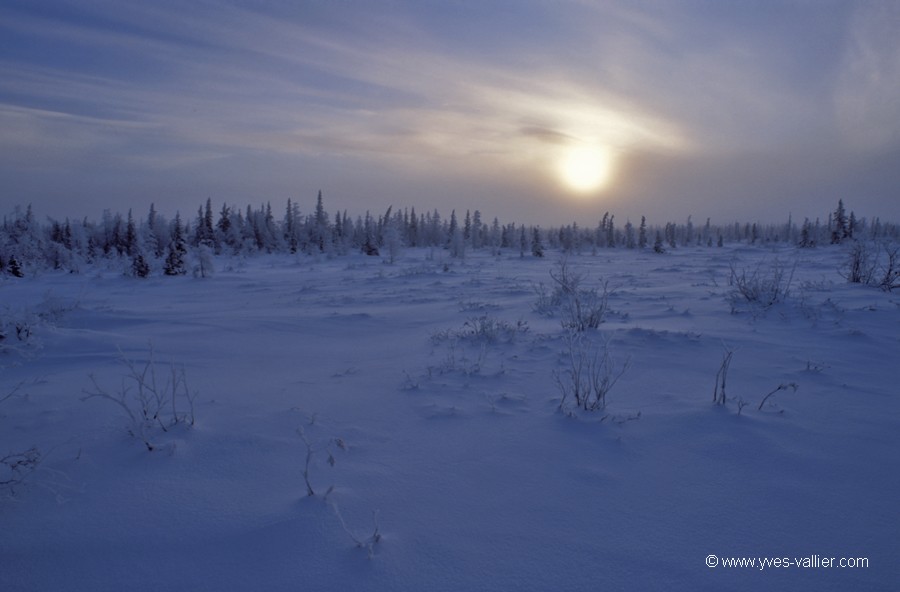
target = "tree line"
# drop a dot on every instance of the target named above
(155, 244)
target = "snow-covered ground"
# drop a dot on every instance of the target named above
(425, 395)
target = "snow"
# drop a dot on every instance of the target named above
(453, 442)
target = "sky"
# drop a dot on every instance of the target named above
(533, 111)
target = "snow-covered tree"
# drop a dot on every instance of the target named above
(839, 224)
(391, 238)
(630, 242)
(658, 243)
(177, 250)
(203, 262)
(537, 247)
(319, 227)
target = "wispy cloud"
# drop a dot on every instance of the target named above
(415, 87)
(247, 84)
(867, 97)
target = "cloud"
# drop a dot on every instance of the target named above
(250, 80)
(544, 134)
(867, 98)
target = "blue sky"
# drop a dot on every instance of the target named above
(730, 110)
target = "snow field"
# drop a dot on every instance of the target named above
(432, 385)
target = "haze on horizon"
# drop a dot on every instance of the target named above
(537, 111)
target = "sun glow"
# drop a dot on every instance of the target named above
(585, 169)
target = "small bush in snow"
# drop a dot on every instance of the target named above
(150, 403)
(586, 309)
(15, 331)
(18, 331)
(547, 302)
(459, 361)
(759, 287)
(483, 329)
(16, 466)
(581, 308)
(590, 373)
(20, 328)
(873, 264)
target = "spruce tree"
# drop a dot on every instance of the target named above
(839, 224)
(658, 243)
(15, 269)
(321, 230)
(176, 250)
(131, 242)
(806, 240)
(629, 235)
(139, 266)
(452, 229)
(369, 246)
(154, 233)
(413, 230)
(208, 226)
(537, 248)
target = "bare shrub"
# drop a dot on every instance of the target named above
(586, 309)
(719, 396)
(781, 387)
(18, 332)
(20, 327)
(568, 282)
(483, 329)
(16, 466)
(12, 392)
(590, 373)
(367, 543)
(312, 451)
(582, 308)
(721, 376)
(760, 286)
(873, 264)
(148, 402)
(890, 271)
(468, 363)
(325, 448)
(547, 302)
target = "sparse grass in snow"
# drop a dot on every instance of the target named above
(483, 329)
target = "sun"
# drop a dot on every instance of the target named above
(586, 169)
